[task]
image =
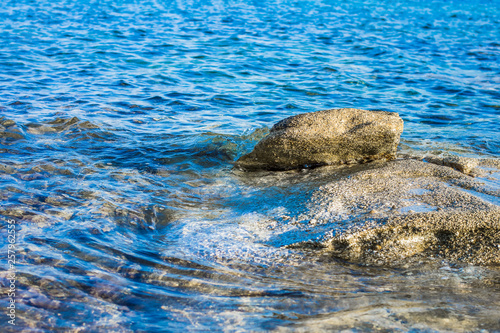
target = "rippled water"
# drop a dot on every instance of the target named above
(120, 123)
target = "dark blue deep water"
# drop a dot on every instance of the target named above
(119, 124)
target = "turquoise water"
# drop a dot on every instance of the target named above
(120, 123)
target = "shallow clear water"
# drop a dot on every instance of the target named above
(120, 123)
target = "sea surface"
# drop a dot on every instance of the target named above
(119, 125)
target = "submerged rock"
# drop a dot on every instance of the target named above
(9, 131)
(393, 212)
(329, 137)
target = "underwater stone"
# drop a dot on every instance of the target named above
(328, 137)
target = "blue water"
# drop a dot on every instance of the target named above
(120, 123)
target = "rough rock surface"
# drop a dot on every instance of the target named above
(405, 209)
(329, 137)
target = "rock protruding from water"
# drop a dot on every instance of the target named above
(329, 137)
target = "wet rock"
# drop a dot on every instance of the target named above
(58, 125)
(329, 137)
(87, 125)
(7, 122)
(423, 211)
(467, 165)
(12, 211)
(9, 132)
(462, 164)
(4, 168)
(64, 214)
(464, 236)
(17, 103)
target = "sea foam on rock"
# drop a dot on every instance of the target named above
(328, 137)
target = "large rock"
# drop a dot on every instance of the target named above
(406, 211)
(329, 137)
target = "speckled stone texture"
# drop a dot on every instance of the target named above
(407, 210)
(329, 137)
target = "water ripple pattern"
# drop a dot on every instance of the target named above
(119, 123)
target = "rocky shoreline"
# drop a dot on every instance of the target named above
(395, 208)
